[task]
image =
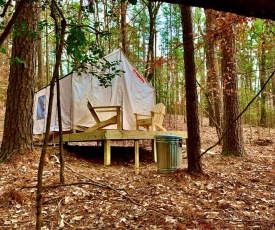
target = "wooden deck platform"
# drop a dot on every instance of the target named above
(106, 136)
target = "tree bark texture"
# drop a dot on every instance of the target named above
(193, 141)
(124, 41)
(213, 85)
(249, 8)
(18, 125)
(233, 139)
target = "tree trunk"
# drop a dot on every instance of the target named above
(193, 141)
(39, 191)
(233, 139)
(47, 51)
(124, 42)
(18, 124)
(40, 58)
(153, 9)
(272, 62)
(262, 63)
(19, 6)
(212, 86)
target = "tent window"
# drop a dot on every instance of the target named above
(41, 107)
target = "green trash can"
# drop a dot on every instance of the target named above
(169, 153)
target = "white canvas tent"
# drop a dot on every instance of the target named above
(131, 91)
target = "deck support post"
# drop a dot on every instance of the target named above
(136, 157)
(107, 152)
(107, 135)
(154, 149)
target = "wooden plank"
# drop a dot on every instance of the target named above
(83, 136)
(136, 157)
(119, 118)
(107, 152)
(139, 135)
(107, 135)
(117, 135)
(108, 108)
(102, 124)
(92, 110)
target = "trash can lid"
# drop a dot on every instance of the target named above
(167, 136)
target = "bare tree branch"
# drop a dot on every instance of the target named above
(8, 28)
(5, 9)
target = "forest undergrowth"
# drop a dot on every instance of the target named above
(234, 193)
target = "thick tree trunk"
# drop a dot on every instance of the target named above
(233, 139)
(17, 137)
(213, 85)
(193, 141)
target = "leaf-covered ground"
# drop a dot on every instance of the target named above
(234, 193)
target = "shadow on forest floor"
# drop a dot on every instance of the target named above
(119, 154)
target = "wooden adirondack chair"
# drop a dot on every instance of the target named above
(116, 119)
(153, 120)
